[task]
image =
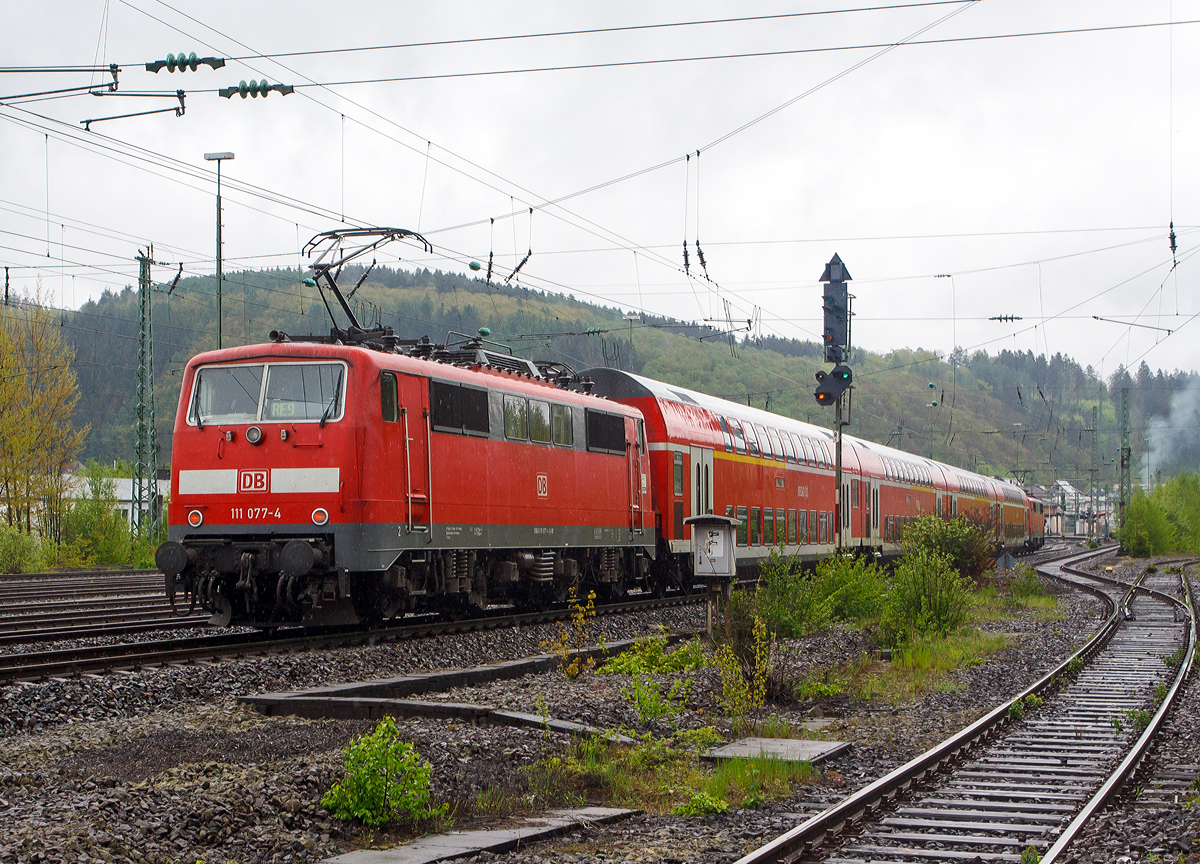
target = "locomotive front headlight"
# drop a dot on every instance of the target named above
(320, 516)
(195, 518)
(254, 435)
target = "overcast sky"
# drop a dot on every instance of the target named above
(1037, 172)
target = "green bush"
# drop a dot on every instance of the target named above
(1148, 530)
(927, 597)
(646, 697)
(386, 780)
(19, 552)
(701, 804)
(794, 602)
(1027, 583)
(649, 656)
(94, 531)
(966, 543)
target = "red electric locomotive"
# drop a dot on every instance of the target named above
(776, 476)
(351, 479)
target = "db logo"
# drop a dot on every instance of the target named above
(543, 486)
(252, 481)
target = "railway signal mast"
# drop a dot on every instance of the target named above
(832, 385)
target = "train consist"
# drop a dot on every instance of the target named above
(357, 477)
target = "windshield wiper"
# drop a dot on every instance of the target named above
(333, 401)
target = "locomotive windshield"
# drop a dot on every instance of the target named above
(293, 392)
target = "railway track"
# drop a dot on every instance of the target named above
(86, 605)
(44, 665)
(1023, 778)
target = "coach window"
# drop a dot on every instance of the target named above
(739, 438)
(516, 418)
(388, 397)
(742, 526)
(751, 439)
(776, 445)
(820, 448)
(807, 449)
(678, 474)
(755, 526)
(780, 527)
(821, 534)
(812, 526)
(768, 527)
(854, 494)
(539, 421)
(791, 523)
(787, 446)
(765, 441)
(726, 433)
(563, 425)
(802, 528)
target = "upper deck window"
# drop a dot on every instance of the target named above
(269, 393)
(727, 434)
(739, 438)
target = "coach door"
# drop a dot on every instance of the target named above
(701, 481)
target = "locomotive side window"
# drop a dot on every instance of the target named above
(389, 401)
(539, 421)
(743, 524)
(455, 408)
(641, 436)
(303, 391)
(564, 425)
(727, 434)
(516, 418)
(678, 461)
(475, 411)
(227, 394)
(605, 432)
(739, 439)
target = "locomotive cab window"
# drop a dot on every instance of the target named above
(303, 391)
(563, 421)
(516, 418)
(226, 394)
(389, 401)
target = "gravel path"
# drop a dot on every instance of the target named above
(163, 765)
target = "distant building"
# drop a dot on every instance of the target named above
(77, 487)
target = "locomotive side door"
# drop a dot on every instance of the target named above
(701, 473)
(415, 475)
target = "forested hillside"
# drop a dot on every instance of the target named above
(1004, 414)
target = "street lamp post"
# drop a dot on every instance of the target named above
(218, 158)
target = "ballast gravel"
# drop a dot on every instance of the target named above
(164, 765)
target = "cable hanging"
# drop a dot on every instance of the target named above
(687, 178)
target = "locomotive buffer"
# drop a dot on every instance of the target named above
(831, 386)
